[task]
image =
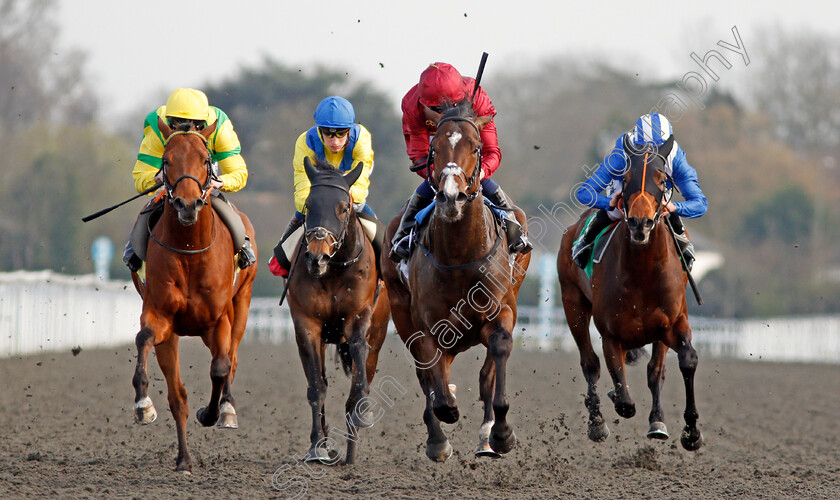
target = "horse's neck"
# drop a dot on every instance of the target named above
(350, 245)
(198, 235)
(455, 243)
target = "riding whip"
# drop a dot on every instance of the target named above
(478, 75)
(106, 210)
(685, 268)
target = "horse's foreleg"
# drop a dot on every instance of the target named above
(308, 335)
(655, 378)
(578, 314)
(144, 409)
(227, 409)
(438, 448)
(691, 438)
(486, 386)
(357, 409)
(502, 437)
(219, 342)
(614, 354)
(167, 356)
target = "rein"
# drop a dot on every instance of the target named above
(178, 250)
(470, 265)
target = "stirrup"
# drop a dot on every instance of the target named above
(246, 256)
(401, 249)
(522, 245)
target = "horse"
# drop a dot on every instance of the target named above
(192, 288)
(637, 297)
(338, 300)
(461, 289)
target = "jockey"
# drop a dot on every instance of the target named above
(336, 139)
(653, 129)
(438, 83)
(183, 108)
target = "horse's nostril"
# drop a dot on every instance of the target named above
(199, 203)
(179, 204)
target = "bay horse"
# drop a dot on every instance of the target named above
(192, 288)
(636, 297)
(339, 299)
(461, 288)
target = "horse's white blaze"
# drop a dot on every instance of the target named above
(454, 138)
(450, 187)
(143, 403)
(227, 408)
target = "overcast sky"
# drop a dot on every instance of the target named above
(139, 51)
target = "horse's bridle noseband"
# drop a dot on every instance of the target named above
(430, 160)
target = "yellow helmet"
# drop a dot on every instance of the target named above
(188, 103)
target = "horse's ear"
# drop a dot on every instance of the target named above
(208, 131)
(352, 176)
(482, 121)
(432, 116)
(311, 172)
(164, 128)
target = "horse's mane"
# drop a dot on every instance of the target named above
(322, 166)
(460, 109)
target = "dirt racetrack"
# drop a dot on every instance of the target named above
(771, 431)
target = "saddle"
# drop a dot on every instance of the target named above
(599, 246)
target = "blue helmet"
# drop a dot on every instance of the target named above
(335, 112)
(652, 128)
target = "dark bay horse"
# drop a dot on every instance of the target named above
(461, 290)
(192, 288)
(636, 297)
(336, 297)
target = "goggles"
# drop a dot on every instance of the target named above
(332, 133)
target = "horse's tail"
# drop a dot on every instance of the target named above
(633, 356)
(342, 352)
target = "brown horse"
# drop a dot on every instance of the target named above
(340, 300)
(637, 297)
(461, 289)
(192, 288)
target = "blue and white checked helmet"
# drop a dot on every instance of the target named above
(652, 128)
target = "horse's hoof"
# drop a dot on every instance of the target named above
(364, 421)
(626, 410)
(447, 414)
(485, 450)
(144, 411)
(200, 415)
(319, 455)
(439, 452)
(691, 439)
(503, 444)
(227, 417)
(599, 432)
(184, 468)
(657, 431)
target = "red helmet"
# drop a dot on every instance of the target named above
(441, 81)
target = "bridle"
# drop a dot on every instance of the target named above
(430, 160)
(320, 233)
(205, 187)
(650, 152)
(169, 188)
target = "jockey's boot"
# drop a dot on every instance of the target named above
(131, 259)
(686, 247)
(279, 264)
(400, 244)
(247, 258)
(582, 247)
(517, 239)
